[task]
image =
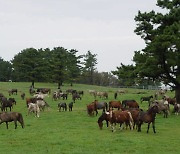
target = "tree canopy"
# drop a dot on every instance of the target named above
(160, 59)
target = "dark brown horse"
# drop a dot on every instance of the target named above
(11, 116)
(148, 98)
(103, 117)
(12, 91)
(148, 117)
(115, 104)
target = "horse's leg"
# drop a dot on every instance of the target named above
(15, 123)
(153, 125)
(148, 128)
(107, 124)
(139, 126)
(6, 124)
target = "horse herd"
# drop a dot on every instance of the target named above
(127, 112)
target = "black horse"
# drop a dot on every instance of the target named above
(148, 117)
(11, 116)
(70, 105)
(146, 99)
(62, 105)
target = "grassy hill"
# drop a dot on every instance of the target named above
(75, 132)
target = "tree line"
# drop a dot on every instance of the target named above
(58, 65)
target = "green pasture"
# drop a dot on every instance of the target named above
(75, 132)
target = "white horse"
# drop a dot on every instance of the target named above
(41, 95)
(42, 104)
(33, 108)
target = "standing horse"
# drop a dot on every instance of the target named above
(120, 117)
(148, 117)
(99, 106)
(115, 104)
(11, 116)
(130, 104)
(146, 99)
(62, 105)
(103, 117)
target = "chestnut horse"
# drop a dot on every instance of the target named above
(115, 104)
(148, 117)
(120, 117)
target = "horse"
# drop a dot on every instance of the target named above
(171, 101)
(163, 106)
(130, 104)
(33, 108)
(44, 90)
(22, 96)
(134, 113)
(42, 104)
(70, 105)
(75, 96)
(103, 95)
(146, 99)
(148, 117)
(12, 91)
(115, 104)
(120, 117)
(11, 116)
(115, 95)
(7, 103)
(91, 108)
(99, 106)
(103, 117)
(176, 109)
(62, 105)
(40, 95)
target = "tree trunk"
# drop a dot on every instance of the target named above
(177, 94)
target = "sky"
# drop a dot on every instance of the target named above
(104, 27)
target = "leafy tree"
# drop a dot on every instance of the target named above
(90, 62)
(73, 66)
(5, 70)
(160, 59)
(126, 75)
(59, 64)
(26, 65)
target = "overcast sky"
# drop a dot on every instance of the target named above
(105, 27)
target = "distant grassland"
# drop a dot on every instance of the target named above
(75, 132)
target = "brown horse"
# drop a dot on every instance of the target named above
(130, 104)
(120, 117)
(115, 104)
(11, 116)
(103, 117)
(91, 108)
(148, 117)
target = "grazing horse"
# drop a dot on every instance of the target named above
(12, 91)
(70, 105)
(33, 108)
(91, 108)
(115, 104)
(75, 96)
(103, 95)
(146, 99)
(44, 90)
(148, 117)
(99, 106)
(103, 117)
(62, 105)
(120, 117)
(42, 104)
(130, 104)
(11, 116)
(171, 101)
(41, 95)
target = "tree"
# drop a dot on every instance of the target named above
(73, 66)
(160, 59)
(90, 62)
(5, 70)
(126, 75)
(26, 65)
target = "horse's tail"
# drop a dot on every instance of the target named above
(130, 119)
(21, 120)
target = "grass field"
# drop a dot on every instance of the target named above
(75, 132)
